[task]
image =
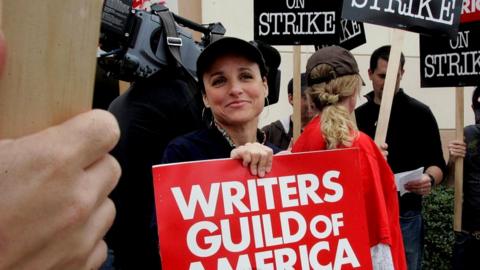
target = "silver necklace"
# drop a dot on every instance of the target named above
(225, 135)
(260, 135)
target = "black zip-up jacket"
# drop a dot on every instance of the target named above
(413, 138)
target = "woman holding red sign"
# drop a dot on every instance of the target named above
(232, 76)
(334, 83)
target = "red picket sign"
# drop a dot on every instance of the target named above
(307, 213)
(470, 11)
(145, 4)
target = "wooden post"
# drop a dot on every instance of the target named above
(389, 86)
(50, 67)
(192, 10)
(123, 86)
(297, 122)
(459, 119)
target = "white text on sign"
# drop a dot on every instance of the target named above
(470, 6)
(419, 9)
(461, 63)
(296, 23)
(205, 238)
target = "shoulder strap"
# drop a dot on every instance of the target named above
(173, 41)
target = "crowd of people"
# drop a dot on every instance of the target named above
(57, 205)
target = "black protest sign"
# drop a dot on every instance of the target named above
(454, 62)
(352, 35)
(432, 17)
(296, 22)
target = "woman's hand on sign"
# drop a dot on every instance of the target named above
(255, 155)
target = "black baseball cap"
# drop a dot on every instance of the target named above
(340, 59)
(225, 46)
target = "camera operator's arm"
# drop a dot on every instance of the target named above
(54, 206)
(54, 209)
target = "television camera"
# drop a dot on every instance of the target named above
(138, 43)
(135, 41)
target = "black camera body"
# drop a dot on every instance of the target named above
(136, 45)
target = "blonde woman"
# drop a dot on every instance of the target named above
(334, 83)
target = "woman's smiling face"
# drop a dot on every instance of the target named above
(234, 90)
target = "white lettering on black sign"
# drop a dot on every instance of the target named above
(350, 29)
(455, 63)
(412, 8)
(295, 21)
(302, 23)
(350, 36)
(424, 16)
(451, 62)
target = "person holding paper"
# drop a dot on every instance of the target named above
(54, 206)
(334, 83)
(413, 141)
(467, 242)
(280, 132)
(232, 77)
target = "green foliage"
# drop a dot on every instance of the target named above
(439, 238)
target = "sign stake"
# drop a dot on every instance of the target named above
(459, 119)
(50, 65)
(296, 92)
(389, 87)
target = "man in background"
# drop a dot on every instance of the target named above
(280, 132)
(413, 141)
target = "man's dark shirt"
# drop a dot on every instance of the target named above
(471, 180)
(413, 138)
(276, 134)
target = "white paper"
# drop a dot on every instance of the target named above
(404, 177)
